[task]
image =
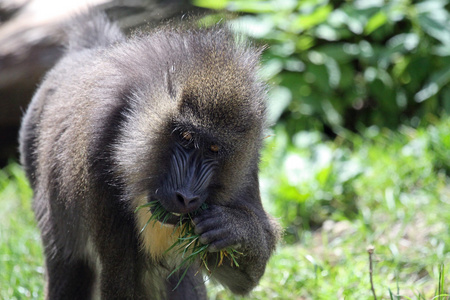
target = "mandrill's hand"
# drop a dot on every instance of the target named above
(216, 227)
(222, 227)
(246, 229)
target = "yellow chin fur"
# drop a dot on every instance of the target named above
(156, 237)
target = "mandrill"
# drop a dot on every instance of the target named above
(175, 116)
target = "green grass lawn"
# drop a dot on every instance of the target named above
(334, 198)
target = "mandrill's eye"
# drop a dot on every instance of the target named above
(214, 148)
(186, 135)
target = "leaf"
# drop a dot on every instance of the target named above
(403, 42)
(375, 22)
(327, 32)
(439, 29)
(256, 26)
(279, 99)
(339, 52)
(432, 87)
(306, 21)
(271, 68)
(332, 116)
(334, 72)
(253, 7)
(217, 4)
(304, 42)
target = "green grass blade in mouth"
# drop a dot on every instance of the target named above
(187, 245)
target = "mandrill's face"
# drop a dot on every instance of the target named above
(188, 182)
(211, 140)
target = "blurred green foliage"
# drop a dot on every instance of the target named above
(313, 180)
(343, 64)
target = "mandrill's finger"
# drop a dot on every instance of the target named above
(213, 236)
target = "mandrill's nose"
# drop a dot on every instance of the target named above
(187, 200)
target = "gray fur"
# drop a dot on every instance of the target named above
(101, 132)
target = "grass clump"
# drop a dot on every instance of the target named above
(188, 243)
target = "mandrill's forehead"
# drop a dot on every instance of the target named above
(227, 112)
(225, 100)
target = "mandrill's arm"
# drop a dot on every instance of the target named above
(243, 225)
